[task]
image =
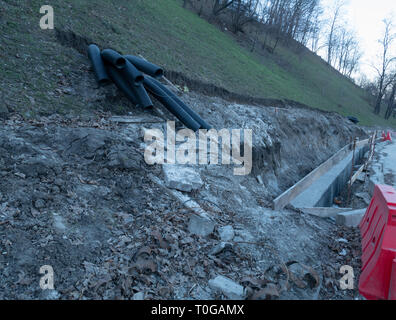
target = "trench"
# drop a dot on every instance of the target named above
(324, 188)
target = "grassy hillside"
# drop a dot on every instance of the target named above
(32, 61)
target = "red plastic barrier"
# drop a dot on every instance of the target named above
(378, 230)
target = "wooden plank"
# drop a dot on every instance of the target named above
(285, 198)
(356, 175)
(325, 212)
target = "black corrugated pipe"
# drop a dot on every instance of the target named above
(192, 113)
(145, 66)
(132, 74)
(171, 105)
(121, 83)
(136, 94)
(114, 58)
(142, 96)
(97, 64)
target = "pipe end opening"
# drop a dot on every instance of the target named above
(120, 63)
(159, 73)
(139, 80)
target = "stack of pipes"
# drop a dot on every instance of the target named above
(133, 76)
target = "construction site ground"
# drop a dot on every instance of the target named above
(76, 194)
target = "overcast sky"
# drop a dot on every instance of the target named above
(365, 17)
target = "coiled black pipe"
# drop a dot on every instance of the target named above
(97, 64)
(145, 66)
(171, 105)
(114, 58)
(132, 74)
(192, 113)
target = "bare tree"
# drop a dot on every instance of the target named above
(384, 80)
(391, 102)
(346, 51)
(290, 19)
(331, 38)
(243, 12)
(220, 5)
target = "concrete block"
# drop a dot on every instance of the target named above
(229, 288)
(226, 233)
(200, 225)
(351, 218)
(326, 212)
(181, 178)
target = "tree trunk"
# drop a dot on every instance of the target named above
(377, 108)
(391, 103)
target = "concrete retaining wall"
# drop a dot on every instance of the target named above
(323, 191)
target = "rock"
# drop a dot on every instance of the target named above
(59, 224)
(229, 288)
(226, 233)
(364, 196)
(67, 90)
(138, 296)
(39, 204)
(50, 295)
(55, 189)
(362, 177)
(351, 218)
(220, 247)
(36, 167)
(124, 159)
(200, 225)
(84, 142)
(181, 178)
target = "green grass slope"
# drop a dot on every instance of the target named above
(165, 33)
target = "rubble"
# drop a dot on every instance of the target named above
(229, 288)
(226, 233)
(181, 178)
(111, 228)
(220, 247)
(364, 196)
